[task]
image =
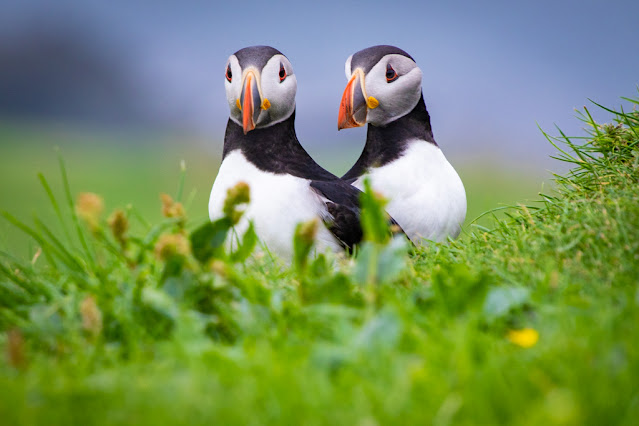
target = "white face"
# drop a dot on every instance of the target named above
(397, 97)
(279, 92)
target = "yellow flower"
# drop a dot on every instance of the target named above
(170, 208)
(89, 207)
(306, 231)
(119, 225)
(526, 337)
(239, 194)
(172, 245)
(219, 268)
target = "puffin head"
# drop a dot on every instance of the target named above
(260, 87)
(384, 84)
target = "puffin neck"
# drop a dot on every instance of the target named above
(274, 149)
(387, 143)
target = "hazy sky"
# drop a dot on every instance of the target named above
(492, 70)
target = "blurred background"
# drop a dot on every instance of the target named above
(127, 90)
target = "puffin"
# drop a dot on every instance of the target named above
(261, 149)
(400, 158)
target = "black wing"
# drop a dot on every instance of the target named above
(343, 206)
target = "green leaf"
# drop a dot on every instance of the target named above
(458, 289)
(380, 333)
(160, 302)
(172, 268)
(392, 259)
(500, 301)
(249, 241)
(366, 266)
(303, 241)
(207, 241)
(374, 218)
(381, 264)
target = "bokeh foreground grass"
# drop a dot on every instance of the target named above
(533, 322)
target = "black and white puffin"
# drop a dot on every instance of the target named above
(261, 148)
(401, 158)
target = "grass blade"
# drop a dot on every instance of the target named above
(55, 205)
(72, 261)
(180, 190)
(74, 216)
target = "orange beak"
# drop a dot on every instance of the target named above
(353, 108)
(250, 98)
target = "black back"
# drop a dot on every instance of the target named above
(387, 143)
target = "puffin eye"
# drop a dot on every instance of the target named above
(391, 75)
(229, 74)
(282, 73)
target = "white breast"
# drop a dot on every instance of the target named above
(278, 203)
(427, 197)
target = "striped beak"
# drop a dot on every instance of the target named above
(250, 101)
(353, 108)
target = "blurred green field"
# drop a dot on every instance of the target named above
(130, 169)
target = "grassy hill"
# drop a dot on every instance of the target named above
(533, 321)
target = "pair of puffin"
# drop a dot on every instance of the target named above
(400, 158)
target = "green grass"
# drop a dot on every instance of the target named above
(138, 328)
(123, 169)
